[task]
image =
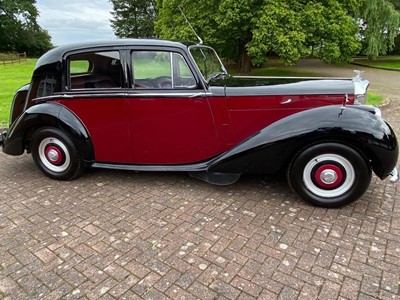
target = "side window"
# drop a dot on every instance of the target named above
(95, 70)
(161, 70)
(152, 69)
(43, 85)
(47, 86)
(79, 67)
(183, 77)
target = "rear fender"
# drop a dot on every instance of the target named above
(272, 148)
(48, 115)
(19, 102)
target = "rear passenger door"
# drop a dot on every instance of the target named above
(95, 92)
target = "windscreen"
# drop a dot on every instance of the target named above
(208, 61)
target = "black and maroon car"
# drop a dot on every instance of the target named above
(152, 105)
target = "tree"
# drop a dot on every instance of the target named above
(133, 18)
(19, 30)
(396, 4)
(34, 43)
(252, 28)
(380, 23)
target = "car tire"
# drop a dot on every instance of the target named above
(329, 174)
(55, 154)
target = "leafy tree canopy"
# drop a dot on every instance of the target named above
(250, 29)
(380, 24)
(396, 3)
(133, 18)
(19, 30)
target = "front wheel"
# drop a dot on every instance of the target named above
(329, 175)
(55, 154)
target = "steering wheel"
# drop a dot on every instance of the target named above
(164, 82)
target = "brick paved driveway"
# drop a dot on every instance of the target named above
(124, 235)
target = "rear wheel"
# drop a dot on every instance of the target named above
(55, 154)
(329, 175)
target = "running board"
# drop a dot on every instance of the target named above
(197, 171)
(154, 168)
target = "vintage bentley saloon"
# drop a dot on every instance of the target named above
(152, 105)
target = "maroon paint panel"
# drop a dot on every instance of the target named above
(249, 114)
(176, 130)
(107, 123)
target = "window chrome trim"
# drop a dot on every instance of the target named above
(171, 65)
(129, 94)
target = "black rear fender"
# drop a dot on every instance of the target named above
(48, 115)
(19, 102)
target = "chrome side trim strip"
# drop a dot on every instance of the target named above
(122, 95)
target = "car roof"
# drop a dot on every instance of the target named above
(54, 56)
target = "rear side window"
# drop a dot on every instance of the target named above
(79, 67)
(95, 70)
(47, 86)
(161, 70)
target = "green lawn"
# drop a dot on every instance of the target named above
(374, 99)
(386, 62)
(12, 77)
(277, 71)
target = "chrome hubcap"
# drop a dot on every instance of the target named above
(328, 176)
(53, 155)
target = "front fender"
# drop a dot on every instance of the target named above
(48, 115)
(272, 148)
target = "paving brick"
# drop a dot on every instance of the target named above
(146, 284)
(309, 292)
(123, 286)
(330, 290)
(350, 288)
(225, 289)
(202, 292)
(246, 286)
(288, 293)
(175, 292)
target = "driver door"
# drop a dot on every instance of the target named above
(169, 115)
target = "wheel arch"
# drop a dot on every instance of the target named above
(48, 115)
(364, 152)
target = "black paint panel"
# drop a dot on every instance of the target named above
(274, 147)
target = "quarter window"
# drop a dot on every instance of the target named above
(95, 70)
(161, 70)
(46, 86)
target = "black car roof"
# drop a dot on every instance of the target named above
(55, 55)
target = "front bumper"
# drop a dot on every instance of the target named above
(394, 175)
(3, 134)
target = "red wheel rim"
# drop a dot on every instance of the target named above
(54, 155)
(329, 176)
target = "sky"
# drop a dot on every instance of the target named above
(70, 21)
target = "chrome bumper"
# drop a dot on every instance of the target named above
(3, 135)
(394, 175)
